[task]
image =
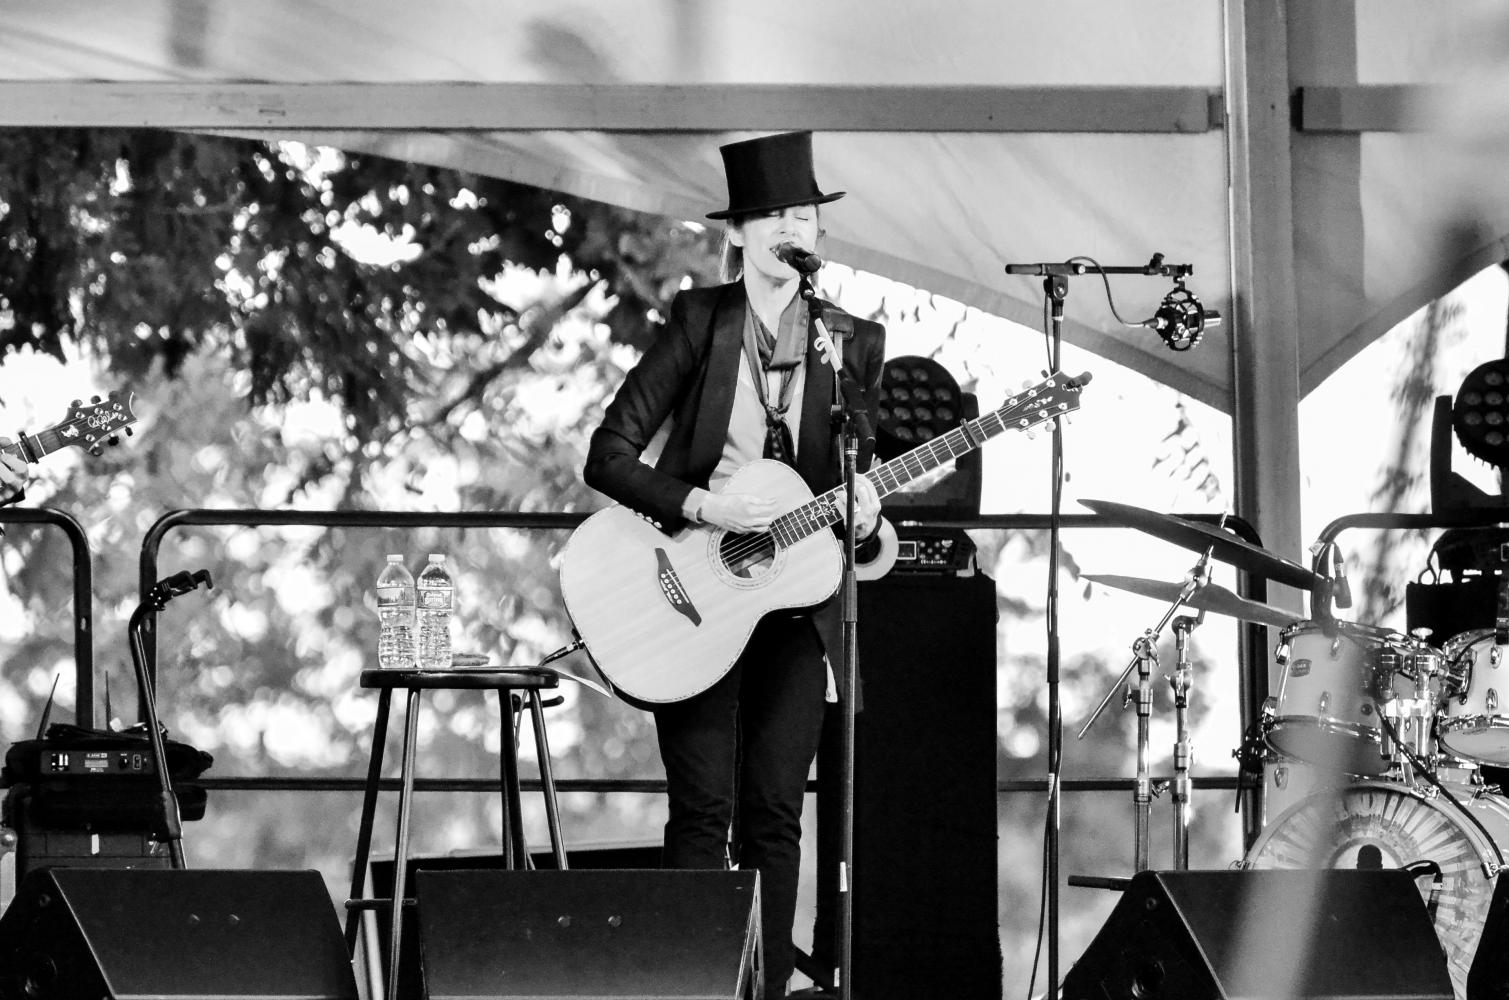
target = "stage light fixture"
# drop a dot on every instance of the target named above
(1481, 414)
(919, 400)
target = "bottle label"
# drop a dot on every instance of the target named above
(435, 597)
(394, 596)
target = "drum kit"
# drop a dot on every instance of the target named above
(1380, 749)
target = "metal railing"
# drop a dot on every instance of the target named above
(83, 594)
(1252, 651)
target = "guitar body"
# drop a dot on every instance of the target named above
(665, 616)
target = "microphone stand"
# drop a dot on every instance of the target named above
(845, 427)
(1056, 289)
(157, 598)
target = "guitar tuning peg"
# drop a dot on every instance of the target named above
(94, 399)
(1043, 372)
(95, 451)
(129, 431)
(1026, 383)
(77, 402)
(1031, 433)
(115, 439)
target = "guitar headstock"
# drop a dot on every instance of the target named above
(1055, 396)
(98, 423)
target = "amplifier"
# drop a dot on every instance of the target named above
(79, 761)
(938, 551)
(41, 841)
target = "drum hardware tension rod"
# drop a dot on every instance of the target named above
(1196, 579)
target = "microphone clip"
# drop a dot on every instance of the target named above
(1181, 319)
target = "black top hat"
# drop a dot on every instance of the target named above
(769, 173)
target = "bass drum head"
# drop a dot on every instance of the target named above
(1386, 825)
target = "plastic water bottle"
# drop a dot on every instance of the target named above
(395, 613)
(436, 594)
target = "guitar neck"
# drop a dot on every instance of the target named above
(30, 447)
(1019, 413)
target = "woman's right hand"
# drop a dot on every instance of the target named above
(739, 511)
(12, 476)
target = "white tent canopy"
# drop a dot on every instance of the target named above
(1266, 144)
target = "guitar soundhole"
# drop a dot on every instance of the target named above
(747, 556)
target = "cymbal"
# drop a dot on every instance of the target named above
(1223, 545)
(1211, 597)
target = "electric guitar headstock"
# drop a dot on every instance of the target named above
(91, 426)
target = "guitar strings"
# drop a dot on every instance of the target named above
(885, 479)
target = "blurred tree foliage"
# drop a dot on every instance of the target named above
(150, 245)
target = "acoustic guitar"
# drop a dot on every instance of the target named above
(664, 616)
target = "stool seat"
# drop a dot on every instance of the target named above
(529, 682)
(465, 678)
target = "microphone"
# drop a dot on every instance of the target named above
(1333, 567)
(1180, 319)
(801, 261)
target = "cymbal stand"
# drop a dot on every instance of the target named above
(1144, 655)
(1184, 754)
(1146, 651)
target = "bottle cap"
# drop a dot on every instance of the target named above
(395, 558)
(437, 557)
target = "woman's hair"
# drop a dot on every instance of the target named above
(731, 257)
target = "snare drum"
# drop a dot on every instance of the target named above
(1475, 688)
(1333, 685)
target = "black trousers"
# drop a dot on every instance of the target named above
(736, 760)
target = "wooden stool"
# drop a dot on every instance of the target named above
(514, 685)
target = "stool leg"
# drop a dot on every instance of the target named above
(369, 807)
(401, 842)
(547, 779)
(508, 761)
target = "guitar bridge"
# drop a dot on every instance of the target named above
(671, 588)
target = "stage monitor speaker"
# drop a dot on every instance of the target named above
(1488, 977)
(512, 935)
(923, 891)
(74, 933)
(1194, 935)
(606, 855)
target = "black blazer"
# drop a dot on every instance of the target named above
(689, 375)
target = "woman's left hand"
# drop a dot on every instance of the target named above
(867, 507)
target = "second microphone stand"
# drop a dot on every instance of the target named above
(171, 823)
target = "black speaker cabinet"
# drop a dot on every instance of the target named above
(626, 855)
(1227, 934)
(1488, 977)
(924, 883)
(512, 935)
(75, 933)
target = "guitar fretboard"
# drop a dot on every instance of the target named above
(30, 447)
(1037, 405)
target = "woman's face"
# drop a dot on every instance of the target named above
(760, 235)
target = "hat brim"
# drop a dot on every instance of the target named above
(729, 213)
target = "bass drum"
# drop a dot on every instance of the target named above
(1389, 825)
